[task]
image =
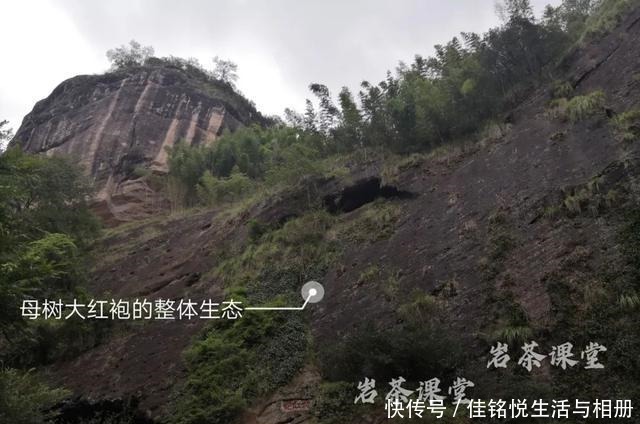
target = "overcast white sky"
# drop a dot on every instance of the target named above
(280, 45)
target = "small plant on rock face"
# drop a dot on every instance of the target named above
(369, 275)
(626, 126)
(551, 212)
(513, 334)
(573, 203)
(589, 196)
(629, 301)
(513, 327)
(561, 89)
(612, 198)
(420, 308)
(582, 107)
(577, 108)
(557, 109)
(376, 222)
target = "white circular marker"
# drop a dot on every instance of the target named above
(313, 291)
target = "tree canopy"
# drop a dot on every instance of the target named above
(45, 228)
(6, 134)
(134, 54)
(225, 70)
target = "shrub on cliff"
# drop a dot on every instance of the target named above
(582, 107)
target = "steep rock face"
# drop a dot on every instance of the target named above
(116, 122)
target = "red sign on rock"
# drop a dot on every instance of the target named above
(295, 405)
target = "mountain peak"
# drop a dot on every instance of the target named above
(122, 120)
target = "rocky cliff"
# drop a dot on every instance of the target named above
(119, 121)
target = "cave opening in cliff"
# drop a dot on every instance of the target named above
(360, 193)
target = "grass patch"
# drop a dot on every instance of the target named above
(587, 198)
(422, 308)
(560, 89)
(501, 244)
(370, 275)
(557, 109)
(375, 221)
(281, 260)
(629, 301)
(129, 239)
(394, 166)
(511, 324)
(577, 108)
(626, 126)
(606, 313)
(513, 335)
(552, 212)
(583, 107)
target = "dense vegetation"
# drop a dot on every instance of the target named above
(236, 362)
(263, 351)
(45, 229)
(466, 86)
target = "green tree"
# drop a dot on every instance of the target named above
(214, 191)
(515, 9)
(6, 134)
(348, 134)
(46, 227)
(41, 269)
(310, 117)
(129, 56)
(377, 130)
(225, 70)
(329, 113)
(24, 399)
(40, 195)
